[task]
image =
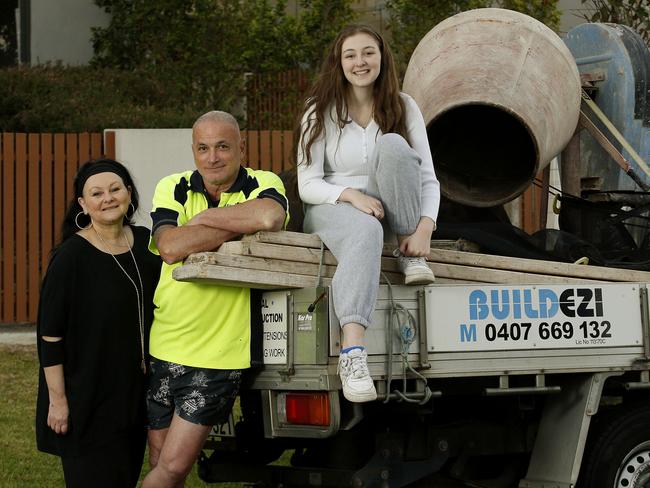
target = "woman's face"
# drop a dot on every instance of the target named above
(361, 59)
(105, 198)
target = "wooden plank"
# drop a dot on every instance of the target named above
(570, 179)
(543, 198)
(95, 145)
(275, 265)
(300, 239)
(247, 278)
(34, 228)
(47, 200)
(287, 141)
(20, 202)
(109, 144)
(570, 170)
(599, 273)
(451, 265)
(292, 254)
(270, 98)
(497, 276)
(300, 254)
(60, 200)
(443, 270)
(253, 262)
(270, 279)
(526, 208)
(456, 245)
(453, 281)
(253, 143)
(8, 234)
(84, 147)
(287, 238)
(71, 164)
(483, 275)
(276, 251)
(224, 275)
(276, 151)
(265, 150)
(244, 137)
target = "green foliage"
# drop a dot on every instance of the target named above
(160, 64)
(76, 99)
(633, 13)
(410, 20)
(206, 46)
(8, 41)
(545, 11)
(320, 22)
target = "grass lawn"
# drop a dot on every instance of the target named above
(21, 465)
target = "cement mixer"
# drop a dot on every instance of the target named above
(614, 63)
(500, 94)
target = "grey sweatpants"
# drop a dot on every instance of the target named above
(356, 238)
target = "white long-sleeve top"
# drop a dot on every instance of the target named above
(339, 159)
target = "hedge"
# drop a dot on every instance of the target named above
(54, 98)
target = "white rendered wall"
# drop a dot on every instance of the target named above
(150, 155)
(573, 12)
(61, 30)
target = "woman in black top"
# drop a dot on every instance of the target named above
(95, 310)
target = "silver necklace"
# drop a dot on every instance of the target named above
(139, 292)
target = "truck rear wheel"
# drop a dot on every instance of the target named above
(618, 450)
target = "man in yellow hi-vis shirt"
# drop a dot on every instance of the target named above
(200, 337)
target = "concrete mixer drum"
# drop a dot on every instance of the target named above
(500, 94)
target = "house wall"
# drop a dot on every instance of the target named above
(150, 155)
(573, 12)
(61, 30)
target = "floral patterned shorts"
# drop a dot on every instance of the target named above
(199, 395)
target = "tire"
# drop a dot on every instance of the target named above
(618, 450)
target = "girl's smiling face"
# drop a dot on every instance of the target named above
(361, 60)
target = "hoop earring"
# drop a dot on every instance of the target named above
(132, 210)
(76, 221)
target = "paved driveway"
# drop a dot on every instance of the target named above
(18, 334)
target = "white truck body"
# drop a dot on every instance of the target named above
(549, 351)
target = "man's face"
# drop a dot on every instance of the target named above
(218, 152)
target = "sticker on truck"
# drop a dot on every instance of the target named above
(274, 321)
(478, 318)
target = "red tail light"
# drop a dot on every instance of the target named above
(308, 408)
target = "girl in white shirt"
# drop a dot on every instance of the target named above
(365, 167)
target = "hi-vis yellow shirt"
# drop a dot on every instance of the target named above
(203, 325)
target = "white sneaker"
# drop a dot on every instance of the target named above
(355, 377)
(416, 271)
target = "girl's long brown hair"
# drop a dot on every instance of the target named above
(331, 86)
